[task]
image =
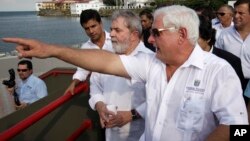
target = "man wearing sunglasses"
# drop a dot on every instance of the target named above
(225, 15)
(191, 94)
(29, 87)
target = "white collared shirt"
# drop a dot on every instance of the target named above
(204, 92)
(124, 94)
(231, 41)
(81, 74)
(218, 27)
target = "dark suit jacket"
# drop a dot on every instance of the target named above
(235, 62)
(146, 34)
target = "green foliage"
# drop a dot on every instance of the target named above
(109, 2)
(214, 4)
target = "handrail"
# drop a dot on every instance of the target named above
(55, 72)
(86, 124)
(22, 125)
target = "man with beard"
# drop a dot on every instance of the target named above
(128, 97)
(90, 21)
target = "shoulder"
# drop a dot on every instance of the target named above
(36, 80)
(233, 60)
(225, 55)
(139, 59)
(228, 31)
(215, 62)
(89, 45)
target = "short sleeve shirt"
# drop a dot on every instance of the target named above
(193, 102)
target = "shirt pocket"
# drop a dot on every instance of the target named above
(192, 112)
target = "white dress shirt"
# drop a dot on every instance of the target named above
(31, 89)
(203, 92)
(81, 74)
(124, 94)
(218, 27)
(231, 41)
(247, 90)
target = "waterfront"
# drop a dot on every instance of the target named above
(56, 30)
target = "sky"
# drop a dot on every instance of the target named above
(18, 5)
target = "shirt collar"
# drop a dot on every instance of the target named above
(107, 37)
(196, 58)
(28, 81)
(140, 48)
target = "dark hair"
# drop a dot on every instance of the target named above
(206, 31)
(26, 62)
(148, 13)
(239, 2)
(89, 14)
(206, 11)
(229, 7)
(131, 20)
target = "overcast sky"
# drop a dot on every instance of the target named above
(18, 5)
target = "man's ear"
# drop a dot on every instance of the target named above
(135, 35)
(182, 35)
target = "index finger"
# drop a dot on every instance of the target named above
(20, 41)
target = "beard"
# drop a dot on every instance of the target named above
(120, 48)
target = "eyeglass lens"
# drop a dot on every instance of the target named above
(221, 14)
(22, 70)
(155, 32)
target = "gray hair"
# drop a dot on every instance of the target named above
(132, 21)
(181, 17)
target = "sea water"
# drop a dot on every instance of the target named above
(56, 30)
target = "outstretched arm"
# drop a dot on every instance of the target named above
(93, 60)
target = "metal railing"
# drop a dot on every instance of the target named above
(27, 122)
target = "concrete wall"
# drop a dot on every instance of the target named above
(39, 65)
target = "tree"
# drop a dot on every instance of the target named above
(109, 2)
(214, 4)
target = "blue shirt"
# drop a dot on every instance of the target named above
(31, 89)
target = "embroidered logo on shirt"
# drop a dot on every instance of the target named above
(197, 83)
(196, 88)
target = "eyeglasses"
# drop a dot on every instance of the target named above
(22, 70)
(156, 32)
(220, 14)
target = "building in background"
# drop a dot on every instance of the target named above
(75, 7)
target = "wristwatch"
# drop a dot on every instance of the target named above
(135, 114)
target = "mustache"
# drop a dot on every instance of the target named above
(113, 40)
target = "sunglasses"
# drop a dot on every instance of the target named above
(22, 70)
(220, 14)
(155, 32)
